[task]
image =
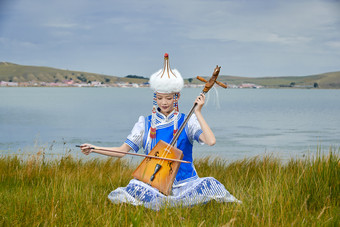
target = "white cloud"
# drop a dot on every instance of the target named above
(12, 44)
(275, 38)
(290, 22)
(260, 37)
(334, 44)
(61, 25)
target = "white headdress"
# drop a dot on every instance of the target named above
(166, 81)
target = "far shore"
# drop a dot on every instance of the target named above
(141, 85)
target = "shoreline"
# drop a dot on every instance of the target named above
(47, 157)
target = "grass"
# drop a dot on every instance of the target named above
(67, 191)
(329, 80)
(23, 73)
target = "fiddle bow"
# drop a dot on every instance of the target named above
(134, 154)
(161, 174)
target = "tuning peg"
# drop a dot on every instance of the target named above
(222, 84)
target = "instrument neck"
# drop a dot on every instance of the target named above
(174, 140)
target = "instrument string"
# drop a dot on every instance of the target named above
(167, 149)
(176, 136)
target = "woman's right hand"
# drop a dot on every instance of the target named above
(86, 148)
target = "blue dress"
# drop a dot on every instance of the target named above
(188, 189)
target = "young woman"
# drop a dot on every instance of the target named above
(162, 124)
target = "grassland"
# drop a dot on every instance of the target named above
(66, 191)
(324, 81)
(22, 73)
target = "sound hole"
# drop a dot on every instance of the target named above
(170, 168)
(149, 159)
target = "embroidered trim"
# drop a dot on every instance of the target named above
(186, 180)
(197, 135)
(132, 145)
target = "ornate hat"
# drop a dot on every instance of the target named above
(166, 80)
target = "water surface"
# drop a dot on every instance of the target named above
(247, 122)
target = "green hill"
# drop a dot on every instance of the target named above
(21, 73)
(326, 80)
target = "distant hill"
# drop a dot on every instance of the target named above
(326, 81)
(21, 73)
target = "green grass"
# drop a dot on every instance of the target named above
(34, 192)
(329, 80)
(23, 73)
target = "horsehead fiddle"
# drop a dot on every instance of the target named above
(159, 168)
(159, 173)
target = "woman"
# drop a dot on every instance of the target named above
(162, 124)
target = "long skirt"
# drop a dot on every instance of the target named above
(197, 191)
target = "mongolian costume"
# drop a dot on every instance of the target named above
(188, 189)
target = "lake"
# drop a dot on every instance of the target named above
(288, 123)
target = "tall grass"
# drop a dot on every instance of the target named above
(74, 192)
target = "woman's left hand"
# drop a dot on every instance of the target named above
(200, 100)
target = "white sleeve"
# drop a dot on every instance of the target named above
(135, 138)
(194, 129)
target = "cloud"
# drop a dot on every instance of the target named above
(334, 44)
(12, 44)
(61, 25)
(253, 37)
(275, 38)
(292, 22)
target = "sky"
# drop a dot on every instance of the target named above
(252, 38)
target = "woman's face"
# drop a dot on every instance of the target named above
(165, 102)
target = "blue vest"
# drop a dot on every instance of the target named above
(186, 171)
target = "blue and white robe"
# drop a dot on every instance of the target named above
(188, 189)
